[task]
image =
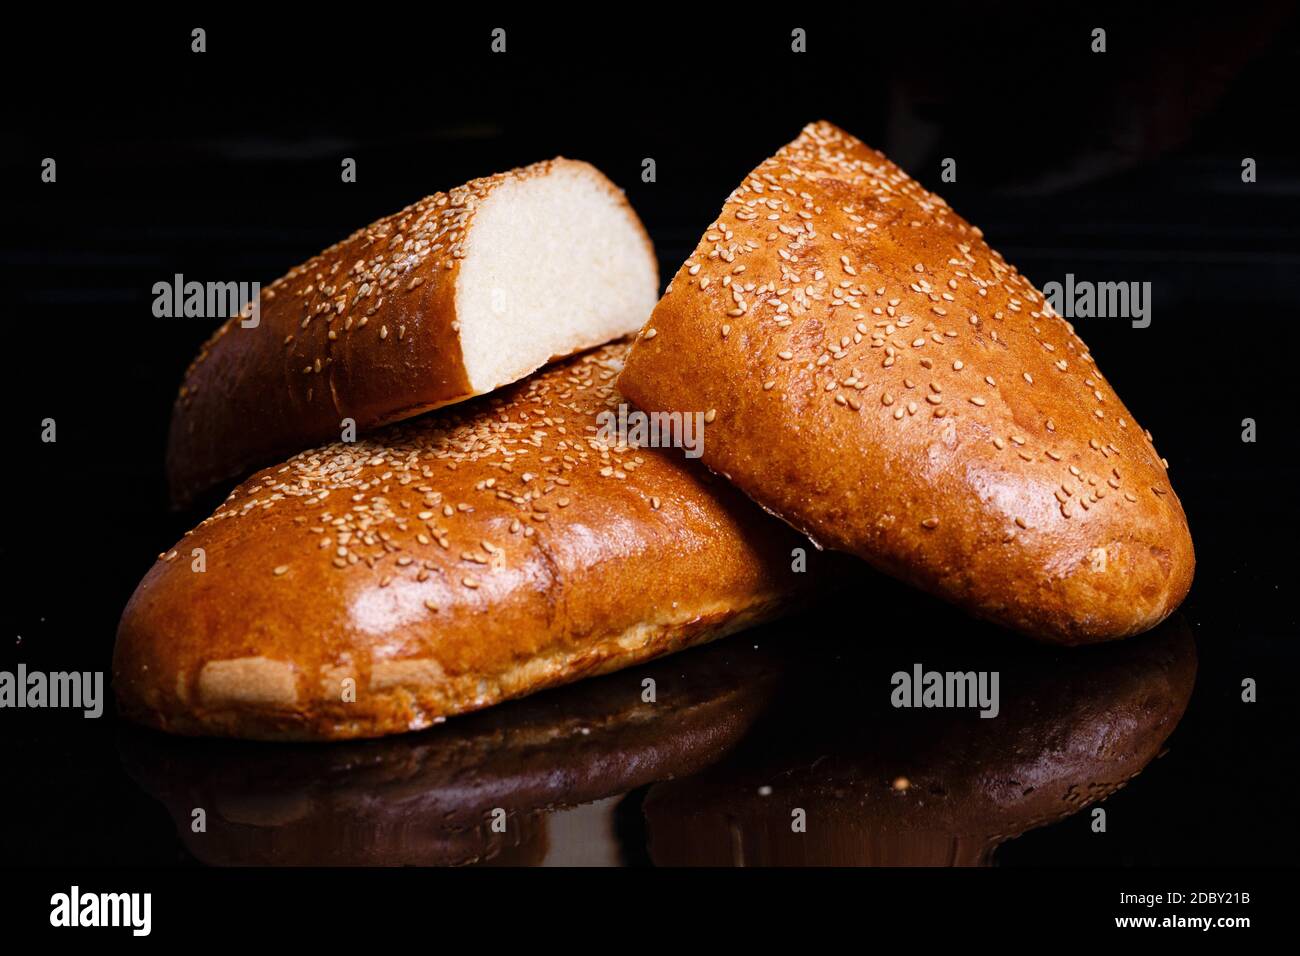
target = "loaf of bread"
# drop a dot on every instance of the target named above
(444, 565)
(877, 376)
(879, 786)
(454, 296)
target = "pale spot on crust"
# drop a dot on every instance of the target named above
(248, 681)
(1097, 557)
(421, 672)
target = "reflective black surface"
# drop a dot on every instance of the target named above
(774, 747)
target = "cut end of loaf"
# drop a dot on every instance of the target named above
(554, 264)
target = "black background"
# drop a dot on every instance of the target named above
(1124, 166)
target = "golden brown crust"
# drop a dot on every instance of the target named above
(365, 330)
(883, 381)
(444, 565)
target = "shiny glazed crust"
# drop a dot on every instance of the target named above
(444, 565)
(882, 380)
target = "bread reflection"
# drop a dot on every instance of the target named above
(478, 789)
(742, 734)
(882, 786)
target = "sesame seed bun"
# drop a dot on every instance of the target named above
(454, 296)
(883, 381)
(442, 566)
